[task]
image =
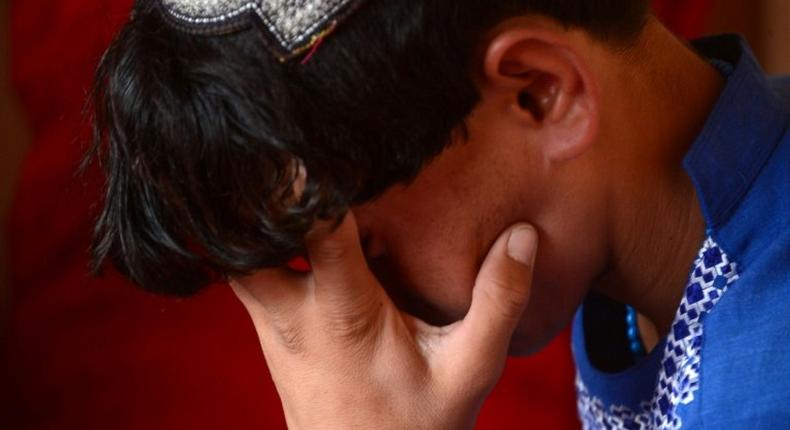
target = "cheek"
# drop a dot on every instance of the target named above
(435, 249)
(571, 256)
(435, 272)
(435, 233)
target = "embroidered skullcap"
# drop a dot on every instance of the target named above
(290, 27)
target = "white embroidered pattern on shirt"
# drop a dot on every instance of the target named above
(678, 377)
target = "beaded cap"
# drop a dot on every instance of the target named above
(291, 27)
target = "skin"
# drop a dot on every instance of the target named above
(604, 165)
(580, 139)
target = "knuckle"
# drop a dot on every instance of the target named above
(287, 331)
(330, 252)
(292, 339)
(471, 383)
(352, 322)
(350, 330)
(508, 297)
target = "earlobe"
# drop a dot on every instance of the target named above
(551, 91)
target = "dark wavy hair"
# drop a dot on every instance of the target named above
(202, 138)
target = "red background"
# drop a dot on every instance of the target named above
(87, 353)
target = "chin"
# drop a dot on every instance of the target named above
(521, 347)
(532, 335)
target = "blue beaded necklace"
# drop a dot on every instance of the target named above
(634, 340)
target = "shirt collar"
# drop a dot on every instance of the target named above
(740, 134)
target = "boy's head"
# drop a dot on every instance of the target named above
(439, 122)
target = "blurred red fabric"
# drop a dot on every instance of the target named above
(96, 353)
(687, 18)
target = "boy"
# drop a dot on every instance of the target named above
(414, 152)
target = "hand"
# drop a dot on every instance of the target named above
(342, 356)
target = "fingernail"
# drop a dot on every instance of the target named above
(522, 244)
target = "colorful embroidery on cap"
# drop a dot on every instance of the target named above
(292, 27)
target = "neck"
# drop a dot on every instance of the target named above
(657, 225)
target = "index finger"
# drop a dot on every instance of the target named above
(338, 262)
(273, 291)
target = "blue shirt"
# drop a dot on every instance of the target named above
(726, 361)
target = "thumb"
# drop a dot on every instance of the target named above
(501, 291)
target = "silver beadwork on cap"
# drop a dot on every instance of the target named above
(292, 26)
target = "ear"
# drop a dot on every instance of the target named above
(546, 87)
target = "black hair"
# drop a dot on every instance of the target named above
(202, 138)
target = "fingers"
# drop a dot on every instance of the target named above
(340, 281)
(273, 291)
(501, 291)
(340, 298)
(338, 262)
